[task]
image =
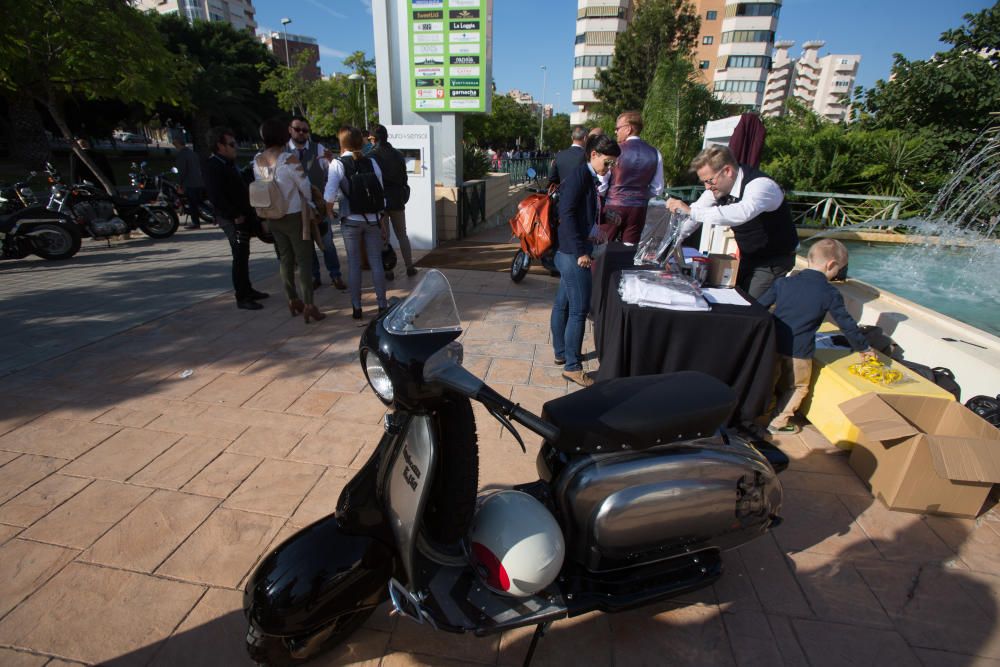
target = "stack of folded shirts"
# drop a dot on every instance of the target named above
(656, 289)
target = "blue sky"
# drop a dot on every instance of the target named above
(530, 33)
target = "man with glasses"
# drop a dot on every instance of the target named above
(753, 205)
(229, 196)
(315, 159)
(637, 176)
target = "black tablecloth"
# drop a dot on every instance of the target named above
(732, 343)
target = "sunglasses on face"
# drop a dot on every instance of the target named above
(231, 144)
(300, 129)
(610, 162)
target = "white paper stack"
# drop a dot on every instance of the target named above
(660, 290)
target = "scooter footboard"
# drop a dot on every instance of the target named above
(315, 576)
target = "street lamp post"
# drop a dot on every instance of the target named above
(284, 27)
(364, 94)
(541, 126)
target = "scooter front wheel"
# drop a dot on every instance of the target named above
(265, 649)
(519, 267)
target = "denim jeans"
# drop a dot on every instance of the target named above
(569, 313)
(330, 257)
(354, 231)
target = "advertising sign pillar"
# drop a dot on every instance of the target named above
(433, 59)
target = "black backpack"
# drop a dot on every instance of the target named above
(362, 187)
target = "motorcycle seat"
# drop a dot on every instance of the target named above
(636, 413)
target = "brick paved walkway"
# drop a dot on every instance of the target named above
(134, 501)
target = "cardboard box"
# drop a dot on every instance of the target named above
(722, 270)
(832, 383)
(922, 454)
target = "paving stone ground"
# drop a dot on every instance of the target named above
(135, 497)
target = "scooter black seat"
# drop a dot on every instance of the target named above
(639, 412)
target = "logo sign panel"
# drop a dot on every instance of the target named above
(450, 54)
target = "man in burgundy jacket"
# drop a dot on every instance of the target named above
(636, 178)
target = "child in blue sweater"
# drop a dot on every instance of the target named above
(801, 302)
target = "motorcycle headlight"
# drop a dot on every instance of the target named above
(377, 377)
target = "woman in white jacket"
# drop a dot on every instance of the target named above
(292, 237)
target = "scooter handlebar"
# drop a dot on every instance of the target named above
(536, 424)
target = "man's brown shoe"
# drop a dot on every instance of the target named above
(578, 377)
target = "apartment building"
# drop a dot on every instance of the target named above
(238, 13)
(286, 49)
(733, 49)
(598, 24)
(823, 83)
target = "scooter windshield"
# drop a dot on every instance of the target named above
(430, 308)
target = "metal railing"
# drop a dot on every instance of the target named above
(825, 209)
(518, 169)
(471, 207)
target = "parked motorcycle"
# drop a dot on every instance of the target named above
(101, 216)
(36, 230)
(165, 191)
(28, 228)
(640, 490)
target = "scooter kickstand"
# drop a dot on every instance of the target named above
(539, 633)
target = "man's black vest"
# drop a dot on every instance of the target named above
(310, 163)
(770, 234)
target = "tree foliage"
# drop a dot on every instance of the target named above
(949, 96)
(228, 67)
(806, 152)
(660, 28)
(509, 124)
(677, 107)
(55, 49)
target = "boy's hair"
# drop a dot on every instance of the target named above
(826, 249)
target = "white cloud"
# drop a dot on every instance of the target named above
(332, 53)
(325, 7)
(367, 5)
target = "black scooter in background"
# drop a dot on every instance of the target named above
(640, 491)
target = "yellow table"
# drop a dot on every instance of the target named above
(832, 384)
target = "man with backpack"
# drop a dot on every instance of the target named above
(229, 195)
(315, 160)
(397, 191)
(356, 182)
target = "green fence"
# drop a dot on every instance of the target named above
(518, 169)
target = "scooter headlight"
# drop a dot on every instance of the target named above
(377, 377)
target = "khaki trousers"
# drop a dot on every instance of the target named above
(793, 387)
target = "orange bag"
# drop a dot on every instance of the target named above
(532, 226)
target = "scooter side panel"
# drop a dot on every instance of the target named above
(410, 479)
(625, 509)
(315, 576)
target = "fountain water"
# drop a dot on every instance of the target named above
(954, 269)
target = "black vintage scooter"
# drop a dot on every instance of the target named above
(640, 492)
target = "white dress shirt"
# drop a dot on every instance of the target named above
(333, 191)
(760, 195)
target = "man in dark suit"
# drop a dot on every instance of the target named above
(569, 159)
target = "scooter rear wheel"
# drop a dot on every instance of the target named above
(274, 651)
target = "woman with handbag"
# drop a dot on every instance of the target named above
(282, 174)
(579, 212)
(356, 182)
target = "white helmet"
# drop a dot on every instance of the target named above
(517, 546)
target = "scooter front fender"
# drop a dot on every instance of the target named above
(315, 576)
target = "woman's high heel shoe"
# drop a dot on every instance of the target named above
(295, 306)
(313, 313)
